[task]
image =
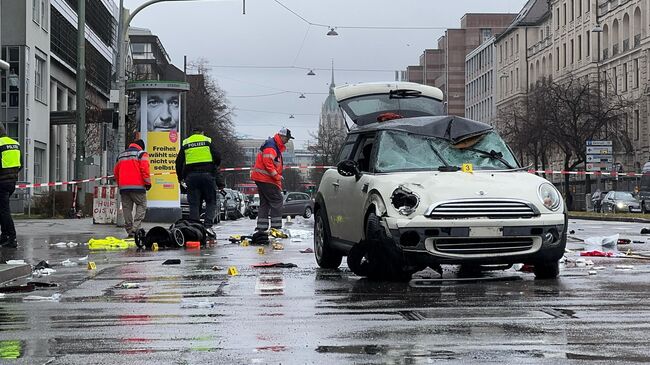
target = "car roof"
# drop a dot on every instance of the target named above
(368, 88)
(452, 128)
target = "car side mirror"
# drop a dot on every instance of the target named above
(349, 168)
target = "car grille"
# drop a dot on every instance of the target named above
(493, 209)
(482, 246)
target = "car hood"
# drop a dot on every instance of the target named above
(436, 187)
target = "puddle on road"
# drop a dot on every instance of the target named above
(387, 350)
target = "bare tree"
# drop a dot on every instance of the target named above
(292, 180)
(208, 107)
(326, 149)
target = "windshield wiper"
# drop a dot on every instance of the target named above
(448, 168)
(494, 155)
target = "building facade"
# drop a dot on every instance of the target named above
(39, 40)
(444, 67)
(480, 85)
(602, 40)
(331, 117)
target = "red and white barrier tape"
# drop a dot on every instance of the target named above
(547, 172)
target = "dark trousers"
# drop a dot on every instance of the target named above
(201, 186)
(6, 222)
(270, 204)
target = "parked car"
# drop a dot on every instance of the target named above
(414, 189)
(185, 208)
(620, 202)
(293, 204)
(229, 205)
(297, 204)
(254, 206)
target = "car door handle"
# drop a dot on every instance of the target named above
(336, 184)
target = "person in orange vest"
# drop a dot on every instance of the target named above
(267, 175)
(133, 179)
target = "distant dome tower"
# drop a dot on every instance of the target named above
(330, 116)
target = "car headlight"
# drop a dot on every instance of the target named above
(620, 205)
(404, 200)
(549, 196)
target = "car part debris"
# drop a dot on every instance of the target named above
(43, 272)
(172, 262)
(274, 265)
(597, 253)
(130, 285)
(217, 268)
(197, 304)
(16, 262)
(42, 265)
(67, 262)
(645, 230)
(307, 250)
(41, 284)
(623, 241)
(624, 267)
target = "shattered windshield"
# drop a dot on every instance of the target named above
(365, 109)
(401, 151)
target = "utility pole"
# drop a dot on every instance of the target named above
(81, 93)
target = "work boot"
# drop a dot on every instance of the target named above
(210, 232)
(10, 243)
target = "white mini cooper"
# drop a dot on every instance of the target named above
(414, 189)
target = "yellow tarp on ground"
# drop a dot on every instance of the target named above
(110, 243)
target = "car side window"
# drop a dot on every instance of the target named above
(364, 152)
(304, 197)
(346, 149)
(292, 197)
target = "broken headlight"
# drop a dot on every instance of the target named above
(404, 200)
(549, 197)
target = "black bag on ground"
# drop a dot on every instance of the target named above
(188, 230)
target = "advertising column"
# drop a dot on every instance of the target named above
(159, 116)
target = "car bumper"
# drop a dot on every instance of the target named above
(425, 241)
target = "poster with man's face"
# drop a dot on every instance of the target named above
(161, 109)
(159, 113)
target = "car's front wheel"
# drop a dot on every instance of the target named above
(326, 256)
(546, 270)
(307, 213)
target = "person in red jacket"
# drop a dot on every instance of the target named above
(133, 179)
(267, 174)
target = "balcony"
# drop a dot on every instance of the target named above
(626, 45)
(637, 40)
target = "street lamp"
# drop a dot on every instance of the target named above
(332, 32)
(302, 96)
(311, 73)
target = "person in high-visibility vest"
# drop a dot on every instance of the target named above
(267, 175)
(197, 167)
(11, 166)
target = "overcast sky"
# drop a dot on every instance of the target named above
(270, 35)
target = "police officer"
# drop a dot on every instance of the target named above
(11, 166)
(197, 166)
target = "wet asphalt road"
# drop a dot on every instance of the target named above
(305, 315)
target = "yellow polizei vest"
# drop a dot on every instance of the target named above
(197, 149)
(10, 150)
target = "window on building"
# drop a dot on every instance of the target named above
(573, 6)
(58, 163)
(564, 54)
(588, 5)
(517, 43)
(579, 47)
(588, 41)
(557, 16)
(604, 81)
(564, 10)
(557, 57)
(512, 46)
(615, 80)
(636, 73)
(506, 50)
(517, 76)
(39, 164)
(501, 53)
(579, 7)
(486, 33)
(40, 86)
(625, 77)
(36, 11)
(44, 14)
(572, 51)
(636, 125)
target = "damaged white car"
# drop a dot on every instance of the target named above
(416, 189)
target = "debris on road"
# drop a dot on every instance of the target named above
(603, 241)
(110, 243)
(624, 267)
(130, 285)
(85, 258)
(277, 246)
(41, 284)
(274, 265)
(645, 231)
(572, 232)
(278, 233)
(597, 253)
(15, 262)
(592, 272)
(42, 265)
(623, 241)
(217, 268)
(43, 272)
(65, 244)
(67, 262)
(307, 250)
(37, 298)
(197, 304)
(172, 262)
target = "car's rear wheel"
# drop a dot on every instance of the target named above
(546, 270)
(307, 213)
(326, 256)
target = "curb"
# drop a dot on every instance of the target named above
(611, 219)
